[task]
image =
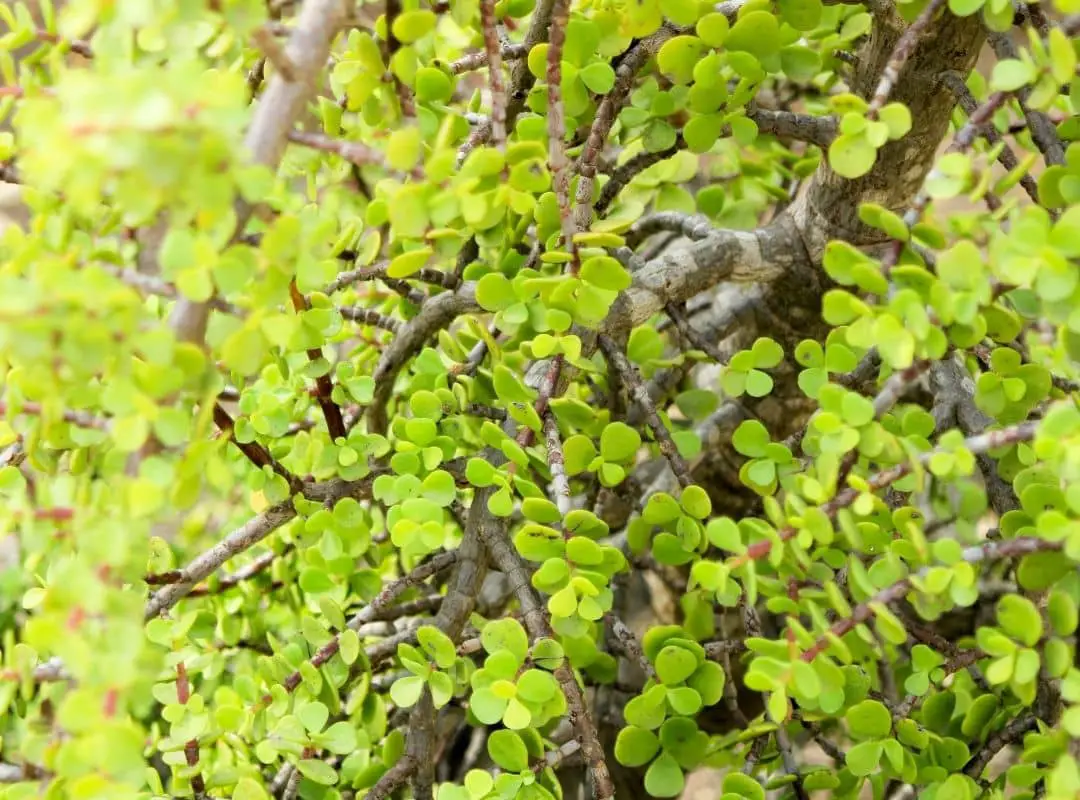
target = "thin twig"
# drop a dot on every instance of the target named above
(631, 169)
(275, 53)
(981, 443)
(369, 316)
(1006, 157)
(1043, 132)
(640, 392)
(377, 606)
(253, 451)
(191, 747)
(1011, 733)
(629, 645)
(990, 551)
(390, 48)
(353, 152)
(629, 65)
(477, 60)
(324, 387)
(494, 61)
(560, 483)
(905, 46)
(556, 126)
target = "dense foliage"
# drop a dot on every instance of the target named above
(504, 398)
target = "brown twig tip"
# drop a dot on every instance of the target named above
(324, 387)
(76, 46)
(271, 47)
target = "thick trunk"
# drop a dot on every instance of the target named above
(788, 310)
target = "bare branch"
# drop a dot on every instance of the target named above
(353, 152)
(369, 316)
(807, 128)
(534, 615)
(376, 607)
(692, 226)
(253, 451)
(1008, 735)
(560, 483)
(631, 169)
(630, 646)
(390, 47)
(393, 779)
(324, 387)
(556, 126)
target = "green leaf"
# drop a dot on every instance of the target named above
(739, 785)
(757, 33)
(897, 118)
(249, 789)
(619, 442)
(644, 345)
(635, 747)
(1011, 74)
(318, 771)
(406, 264)
(598, 76)
(437, 645)
(404, 148)
(505, 635)
(851, 155)
(605, 272)
(494, 292)
(869, 720)
(664, 777)
(677, 57)
(508, 750)
(406, 691)
(1019, 618)
(675, 664)
(750, 438)
(695, 501)
(864, 758)
(486, 706)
